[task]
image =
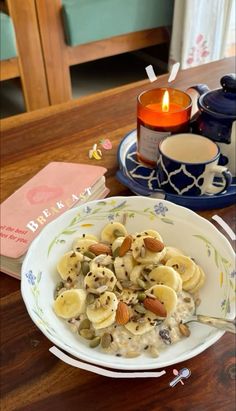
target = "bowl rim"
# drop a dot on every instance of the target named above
(119, 361)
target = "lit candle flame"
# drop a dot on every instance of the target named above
(165, 102)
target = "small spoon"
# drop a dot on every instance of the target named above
(184, 373)
(221, 324)
(176, 373)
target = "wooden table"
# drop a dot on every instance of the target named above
(33, 379)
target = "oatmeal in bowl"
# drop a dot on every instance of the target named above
(113, 282)
(127, 293)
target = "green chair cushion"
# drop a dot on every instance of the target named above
(7, 38)
(91, 20)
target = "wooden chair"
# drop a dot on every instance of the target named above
(59, 56)
(29, 65)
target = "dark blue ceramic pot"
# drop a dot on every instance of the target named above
(217, 110)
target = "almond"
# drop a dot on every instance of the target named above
(183, 328)
(122, 313)
(155, 306)
(154, 245)
(100, 248)
(125, 246)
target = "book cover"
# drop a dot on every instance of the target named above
(56, 188)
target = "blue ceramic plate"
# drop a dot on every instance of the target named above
(141, 180)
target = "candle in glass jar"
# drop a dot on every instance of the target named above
(161, 112)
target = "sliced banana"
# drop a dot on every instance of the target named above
(124, 266)
(136, 273)
(82, 244)
(102, 308)
(69, 265)
(166, 296)
(166, 276)
(87, 236)
(171, 252)
(152, 233)
(143, 325)
(70, 303)
(91, 237)
(193, 281)
(112, 231)
(105, 323)
(101, 260)
(117, 243)
(200, 283)
(144, 256)
(183, 265)
(99, 277)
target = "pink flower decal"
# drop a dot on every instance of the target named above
(198, 52)
(190, 60)
(199, 38)
(106, 144)
(42, 194)
(205, 53)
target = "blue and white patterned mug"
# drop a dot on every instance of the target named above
(188, 164)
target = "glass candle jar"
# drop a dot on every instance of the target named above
(160, 113)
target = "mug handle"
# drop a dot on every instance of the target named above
(194, 93)
(225, 174)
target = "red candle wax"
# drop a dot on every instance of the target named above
(154, 115)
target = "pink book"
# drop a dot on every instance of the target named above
(52, 191)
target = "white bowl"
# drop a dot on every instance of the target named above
(178, 227)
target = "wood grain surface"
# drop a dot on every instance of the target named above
(30, 56)
(54, 49)
(32, 379)
(9, 69)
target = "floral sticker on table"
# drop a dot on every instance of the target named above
(106, 143)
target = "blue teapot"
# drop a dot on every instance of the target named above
(216, 117)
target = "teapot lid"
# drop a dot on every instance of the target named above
(222, 101)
